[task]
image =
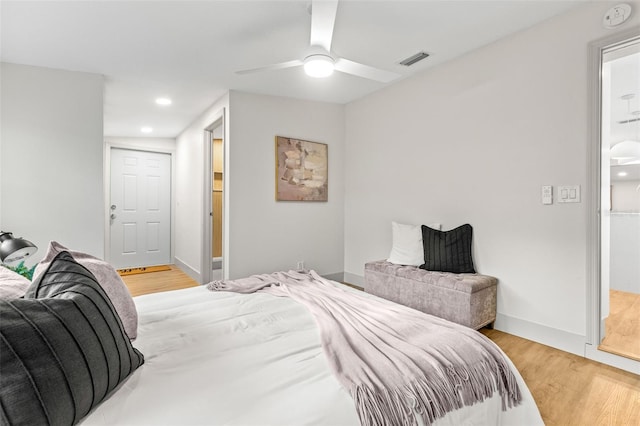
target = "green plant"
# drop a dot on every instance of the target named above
(22, 270)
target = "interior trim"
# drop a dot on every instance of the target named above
(354, 279)
(188, 269)
(554, 337)
(593, 299)
(207, 237)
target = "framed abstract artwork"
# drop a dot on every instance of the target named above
(301, 170)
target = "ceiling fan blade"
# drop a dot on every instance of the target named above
(323, 17)
(272, 67)
(361, 70)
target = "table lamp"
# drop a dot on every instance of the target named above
(14, 250)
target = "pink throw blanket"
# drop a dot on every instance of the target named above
(397, 363)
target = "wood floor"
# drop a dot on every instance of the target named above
(154, 282)
(572, 390)
(623, 325)
(569, 390)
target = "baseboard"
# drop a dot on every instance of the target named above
(559, 339)
(337, 276)
(617, 361)
(354, 279)
(188, 270)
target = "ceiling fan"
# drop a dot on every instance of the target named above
(319, 61)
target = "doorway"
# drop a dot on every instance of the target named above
(214, 226)
(618, 197)
(217, 197)
(139, 208)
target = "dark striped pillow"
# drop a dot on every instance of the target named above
(448, 251)
(63, 348)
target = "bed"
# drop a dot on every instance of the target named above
(256, 351)
(221, 358)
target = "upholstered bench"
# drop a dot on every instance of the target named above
(467, 299)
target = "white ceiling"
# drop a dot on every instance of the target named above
(624, 76)
(625, 81)
(189, 50)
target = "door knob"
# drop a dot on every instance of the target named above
(113, 206)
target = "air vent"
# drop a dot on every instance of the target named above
(415, 58)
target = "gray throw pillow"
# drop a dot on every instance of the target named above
(107, 277)
(63, 348)
(448, 251)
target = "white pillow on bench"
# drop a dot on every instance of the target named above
(407, 248)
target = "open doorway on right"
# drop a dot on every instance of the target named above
(620, 201)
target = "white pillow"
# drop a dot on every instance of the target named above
(12, 284)
(407, 246)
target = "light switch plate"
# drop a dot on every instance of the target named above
(547, 194)
(569, 194)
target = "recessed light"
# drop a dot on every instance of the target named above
(163, 101)
(622, 174)
(146, 129)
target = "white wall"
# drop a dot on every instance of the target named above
(262, 235)
(190, 175)
(626, 196)
(51, 162)
(473, 141)
(266, 235)
(625, 252)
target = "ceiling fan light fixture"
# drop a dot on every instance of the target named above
(319, 66)
(626, 151)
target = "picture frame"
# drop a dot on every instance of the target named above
(301, 170)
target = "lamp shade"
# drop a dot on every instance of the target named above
(14, 250)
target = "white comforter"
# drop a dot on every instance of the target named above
(216, 358)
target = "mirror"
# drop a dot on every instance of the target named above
(620, 200)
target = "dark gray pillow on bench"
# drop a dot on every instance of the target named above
(63, 348)
(448, 251)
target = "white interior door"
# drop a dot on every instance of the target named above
(140, 208)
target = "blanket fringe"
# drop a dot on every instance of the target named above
(454, 389)
(217, 285)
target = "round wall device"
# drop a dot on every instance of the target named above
(616, 15)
